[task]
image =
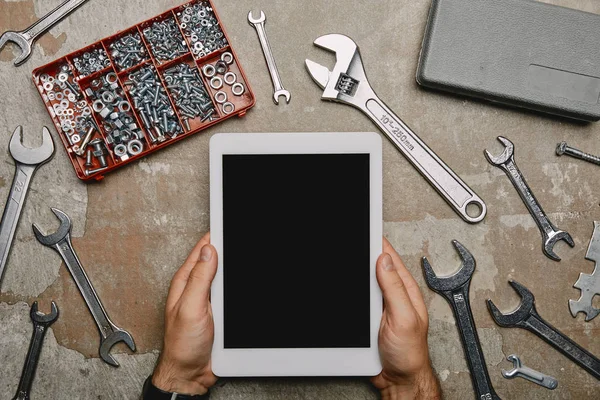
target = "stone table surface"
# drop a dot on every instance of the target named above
(134, 229)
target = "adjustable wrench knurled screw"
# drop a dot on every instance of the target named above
(60, 241)
(455, 289)
(24, 39)
(550, 234)
(521, 371)
(41, 322)
(347, 84)
(527, 317)
(259, 25)
(27, 161)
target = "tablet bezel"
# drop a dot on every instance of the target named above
(301, 361)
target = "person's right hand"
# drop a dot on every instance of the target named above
(407, 371)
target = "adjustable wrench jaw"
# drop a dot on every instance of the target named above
(517, 317)
(460, 279)
(61, 233)
(28, 156)
(118, 335)
(347, 83)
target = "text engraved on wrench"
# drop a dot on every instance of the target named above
(487, 396)
(396, 131)
(19, 186)
(459, 297)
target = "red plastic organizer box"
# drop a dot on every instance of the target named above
(144, 88)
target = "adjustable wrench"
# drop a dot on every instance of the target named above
(455, 289)
(527, 317)
(27, 162)
(521, 371)
(259, 25)
(550, 234)
(348, 84)
(41, 322)
(60, 241)
(24, 39)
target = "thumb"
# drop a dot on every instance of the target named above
(395, 296)
(197, 287)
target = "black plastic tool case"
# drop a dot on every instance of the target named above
(519, 52)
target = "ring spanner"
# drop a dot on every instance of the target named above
(348, 84)
(527, 317)
(60, 241)
(27, 161)
(455, 289)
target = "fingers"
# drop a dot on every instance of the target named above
(412, 287)
(181, 276)
(197, 289)
(397, 300)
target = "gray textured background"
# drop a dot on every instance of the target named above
(133, 230)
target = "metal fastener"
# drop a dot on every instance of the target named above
(563, 148)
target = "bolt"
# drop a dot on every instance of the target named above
(88, 158)
(563, 148)
(89, 172)
(98, 152)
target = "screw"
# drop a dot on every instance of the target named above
(89, 172)
(99, 152)
(563, 148)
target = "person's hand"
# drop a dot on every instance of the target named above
(184, 364)
(407, 371)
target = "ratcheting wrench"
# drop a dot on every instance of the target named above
(27, 162)
(60, 241)
(521, 371)
(550, 234)
(41, 322)
(455, 289)
(527, 317)
(24, 39)
(348, 84)
(259, 25)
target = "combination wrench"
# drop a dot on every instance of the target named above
(348, 84)
(60, 241)
(550, 234)
(521, 371)
(527, 317)
(455, 289)
(259, 25)
(27, 161)
(41, 322)
(24, 39)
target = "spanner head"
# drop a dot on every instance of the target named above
(260, 19)
(18, 39)
(41, 318)
(28, 156)
(112, 339)
(458, 279)
(516, 366)
(520, 314)
(551, 241)
(506, 155)
(63, 230)
(283, 93)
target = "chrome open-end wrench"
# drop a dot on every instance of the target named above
(27, 162)
(348, 84)
(41, 322)
(24, 39)
(455, 289)
(550, 234)
(521, 371)
(527, 317)
(259, 25)
(110, 334)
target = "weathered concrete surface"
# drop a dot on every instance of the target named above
(133, 230)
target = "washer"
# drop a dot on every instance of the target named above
(228, 107)
(208, 70)
(238, 89)
(216, 83)
(227, 57)
(135, 147)
(120, 150)
(230, 78)
(220, 97)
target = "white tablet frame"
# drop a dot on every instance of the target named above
(302, 361)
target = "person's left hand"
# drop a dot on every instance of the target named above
(184, 364)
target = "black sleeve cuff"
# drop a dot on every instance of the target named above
(151, 392)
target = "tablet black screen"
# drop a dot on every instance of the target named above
(296, 248)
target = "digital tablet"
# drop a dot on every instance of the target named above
(296, 219)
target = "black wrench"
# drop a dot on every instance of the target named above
(527, 317)
(455, 289)
(60, 241)
(41, 322)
